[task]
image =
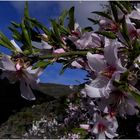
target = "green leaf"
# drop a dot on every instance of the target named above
(16, 25)
(40, 25)
(122, 8)
(108, 34)
(127, 5)
(124, 31)
(71, 19)
(42, 64)
(135, 51)
(63, 31)
(4, 41)
(103, 14)
(27, 40)
(87, 29)
(114, 11)
(93, 21)
(65, 66)
(26, 11)
(55, 29)
(16, 34)
(62, 17)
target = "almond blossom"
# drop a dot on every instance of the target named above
(88, 40)
(108, 24)
(22, 72)
(85, 40)
(106, 67)
(119, 102)
(102, 127)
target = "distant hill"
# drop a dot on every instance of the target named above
(56, 90)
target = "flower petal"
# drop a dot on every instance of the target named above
(25, 90)
(95, 129)
(93, 92)
(58, 51)
(110, 51)
(7, 64)
(96, 62)
(88, 40)
(11, 76)
(119, 66)
(76, 64)
(16, 46)
(41, 45)
(135, 14)
(45, 45)
(110, 134)
(99, 82)
(101, 136)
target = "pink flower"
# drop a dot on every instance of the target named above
(20, 71)
(107, 24)
(58, 51)
(118, 102)
(102, 127)
(88, 40)
(106, 67)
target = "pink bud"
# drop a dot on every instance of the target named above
(58, 51)
(18, 66)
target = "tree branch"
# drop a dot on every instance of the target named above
(68, 54)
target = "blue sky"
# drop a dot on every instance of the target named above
(43, 11)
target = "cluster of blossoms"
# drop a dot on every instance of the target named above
(106, 68)
(112, 60)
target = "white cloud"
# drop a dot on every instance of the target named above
(83, 9)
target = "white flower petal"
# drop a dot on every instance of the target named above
(119, 66)
(16, 46)
(11, 76)
(96, 62)
(135, 14)
(88, 40)
(93, 92)
(101, 136)
(41, 45)
(37, 44)
(37, 71)
(110, 51)
(76, 64)
(45, 45)
(25, 90)
(95, 129)
(7, 64)
(110, 134)
(99, 82)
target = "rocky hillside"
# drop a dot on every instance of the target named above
(18, 115)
